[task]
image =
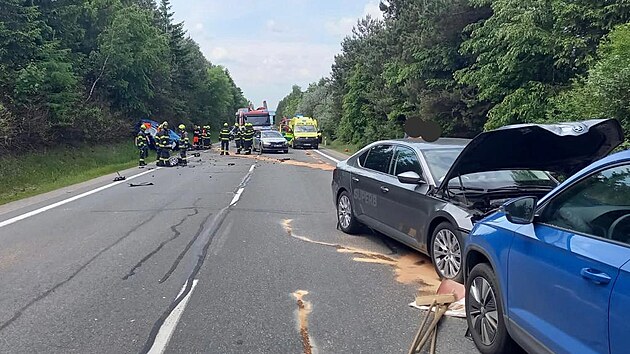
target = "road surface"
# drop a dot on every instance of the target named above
(228, 255)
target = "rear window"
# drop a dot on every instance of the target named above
(379, 158)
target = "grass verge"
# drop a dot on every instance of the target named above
(343, 148)
(35, 173)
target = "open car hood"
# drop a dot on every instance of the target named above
(563, 148)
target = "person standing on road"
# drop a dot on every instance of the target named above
(248, 138)
(196, 136)
(205, 137)
(225, 139)
(238, 137)
(164, 142)
(142, 143)
(183, 145)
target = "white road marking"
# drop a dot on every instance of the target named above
(72, 199)
(252, 168)
(327, 156)
(168, 327)
(237, 196)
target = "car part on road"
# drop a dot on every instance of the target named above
(119, 177)
(345, 214)
(446, 252)
(485, 314)
(143, 184)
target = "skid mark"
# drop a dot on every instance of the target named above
(318, 166)
(410, 268)
(304, 309)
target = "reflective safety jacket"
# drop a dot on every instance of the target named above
(248, 134)
(225, 134)
(163, 140)
(184, 143)
(141, 140)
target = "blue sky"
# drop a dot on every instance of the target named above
(269, 45)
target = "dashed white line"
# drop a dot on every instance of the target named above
(169, 325)
(252, 168)
(66, 201)
(327, 156)
(237, 196)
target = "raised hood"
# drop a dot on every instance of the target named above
(563, 147)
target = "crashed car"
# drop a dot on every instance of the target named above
(429, 195)
(152, 132)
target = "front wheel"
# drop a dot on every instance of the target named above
(484, 312)
(345, 214)
(260, 150)
(446, 252)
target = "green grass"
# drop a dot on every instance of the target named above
(342, 147)
(35, 173)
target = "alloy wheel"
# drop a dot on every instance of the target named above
(483, 310)
(447, 253)
(344, 211)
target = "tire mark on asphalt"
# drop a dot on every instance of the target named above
(211, 230)
(20, 311)
(176, 234)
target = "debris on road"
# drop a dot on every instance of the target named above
(449, 287)
(411, 268)
(304, 309)
(283, 159)
(119, 177)
(143, 184)
(287, 161)
(438, 304)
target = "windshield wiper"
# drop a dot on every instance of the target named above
(467, 189)
(515, 188)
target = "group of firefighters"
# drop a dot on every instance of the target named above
(243, 135)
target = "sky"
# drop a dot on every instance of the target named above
(270, 45)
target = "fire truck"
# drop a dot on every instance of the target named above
(260, 118)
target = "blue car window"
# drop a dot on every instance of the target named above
(598, 205)
(380, 158)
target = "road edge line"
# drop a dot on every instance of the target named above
(327, 156)
(71, 199)
(168, 327)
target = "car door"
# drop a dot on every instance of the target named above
(562, 268)
(257, 140)
(620, 308)
(367, 183)
(402, 208)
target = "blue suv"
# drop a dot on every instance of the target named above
(553, 275)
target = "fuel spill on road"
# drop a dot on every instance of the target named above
(317, 166)
(304, 309)
(410, 268)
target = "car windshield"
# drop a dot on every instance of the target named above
(271, 134)
(258, 120)
(305, 129)
(441, 160)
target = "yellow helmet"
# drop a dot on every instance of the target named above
(143, 126)
(225, 124)
(182, 127)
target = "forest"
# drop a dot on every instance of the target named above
(78, 72)
(473, 65)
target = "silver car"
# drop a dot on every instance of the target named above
(270, 140)
(428, 195)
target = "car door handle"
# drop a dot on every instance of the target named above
(354, 179)
(595, 276)
(384, 189)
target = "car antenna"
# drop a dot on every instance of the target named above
(461, 184)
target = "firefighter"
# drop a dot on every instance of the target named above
(205, 137)
(238, 137)
(248, 138)
(164, 142)
(142, 143)
(225, 139)
(196, 137)
(183, 145)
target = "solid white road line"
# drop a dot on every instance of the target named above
(327, 156)
(252, 168)
(169, 325)
(72, 199)
(237, 196)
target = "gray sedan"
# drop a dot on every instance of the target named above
(270, 140)
(428, 195)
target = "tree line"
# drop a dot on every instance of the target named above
(74, 71)
(473, 65)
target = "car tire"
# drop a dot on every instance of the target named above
(446, 252)
(484, 310)
(345, 214)
(260, 150)
(286, 151)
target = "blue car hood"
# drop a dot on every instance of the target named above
(563, 148)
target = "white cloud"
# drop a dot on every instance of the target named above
(343, 26)
(218, 53)
(373, 10)
(272, 26)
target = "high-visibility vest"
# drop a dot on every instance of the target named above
(225, 134)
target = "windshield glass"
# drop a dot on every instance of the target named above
(271, 134)
(258, 120)
(305, 129)
(441, 160)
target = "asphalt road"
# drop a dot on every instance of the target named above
(227, 255)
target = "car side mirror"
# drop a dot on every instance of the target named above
(520, 210)
(410, 177)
